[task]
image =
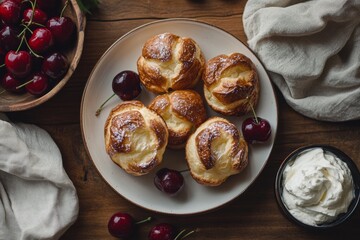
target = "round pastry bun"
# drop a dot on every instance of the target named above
(169, 62)
(216, 151)
(135, 137)
(183, 111)
(231, 84)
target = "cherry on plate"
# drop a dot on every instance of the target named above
(126, 85)
(256, 129)
(169, 181)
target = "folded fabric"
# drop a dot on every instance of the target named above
(312, 52)
(37, 198)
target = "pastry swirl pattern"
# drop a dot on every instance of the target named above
(169, 62)
(135, 137)
(231, 84)
(183, 111)
(216, 151)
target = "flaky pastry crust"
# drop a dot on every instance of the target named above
(183, 111)
(135, 137)
(231, 84)
(215, 151)
(169, 62)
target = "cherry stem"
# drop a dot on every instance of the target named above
(185, 170)
(27, 44)
(253, 111)
(33, 5)
(144, 221)
(24, 84)
(34, 23)
(186, 235)
(2, 91)
(65, 6)
(102, 105)
(2, 65)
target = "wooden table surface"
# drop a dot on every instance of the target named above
(254, 214)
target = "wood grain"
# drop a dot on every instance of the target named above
(253, 215)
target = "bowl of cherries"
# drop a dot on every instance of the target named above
(41, 42)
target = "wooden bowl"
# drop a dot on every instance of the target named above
(10, 102)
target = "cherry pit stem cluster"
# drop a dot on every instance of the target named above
(33, 38)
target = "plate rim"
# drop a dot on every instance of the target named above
(110, 48)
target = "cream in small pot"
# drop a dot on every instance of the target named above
(317, 187)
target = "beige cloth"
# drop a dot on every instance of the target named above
(37, 198)
(312, 50)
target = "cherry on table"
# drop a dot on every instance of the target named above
(162, 231)
(121, 225)
(169, 181)
(18, 63)
(41, 40)
(256, 129)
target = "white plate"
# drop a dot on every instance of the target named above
(194, 198)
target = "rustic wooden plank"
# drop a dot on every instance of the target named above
(129, 10)
(253, 215)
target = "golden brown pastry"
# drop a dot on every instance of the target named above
(183, 111)
(135, 137)
(169, 62)
(231, 84)
(216, 151)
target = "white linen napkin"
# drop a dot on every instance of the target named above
(37, 198)
(312, 50)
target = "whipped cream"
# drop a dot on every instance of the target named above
(317, 187)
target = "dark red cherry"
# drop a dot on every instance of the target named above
(55, 65)
(36, 16)
(38, 84)
(41, 40)
(2, 57)
(9, 83)
(62, 29)
(126, 85)
(256, 129)
(121, 225)
(162, 231)
(48, 5)
(9, 39)
(169, 181)
(10, 11)
(18, 63)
